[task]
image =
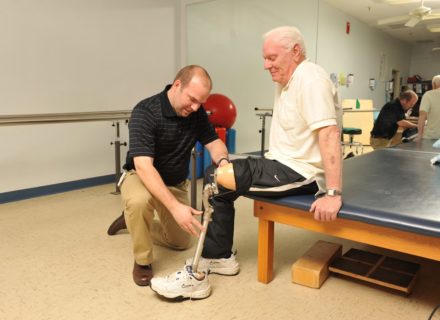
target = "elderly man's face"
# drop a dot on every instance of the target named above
(279, 61)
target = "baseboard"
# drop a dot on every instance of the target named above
(22, 194)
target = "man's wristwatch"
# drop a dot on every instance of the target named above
(333, 193)
(220, 160)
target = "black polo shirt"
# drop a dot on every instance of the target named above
(386, 125)
(155, 130)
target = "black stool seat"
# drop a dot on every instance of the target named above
(351, 131)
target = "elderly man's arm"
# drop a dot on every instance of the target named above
(327, 207)
(421, 124)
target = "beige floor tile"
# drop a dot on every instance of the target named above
(57, 262)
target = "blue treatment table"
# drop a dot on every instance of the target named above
(391, 199)
(425, 145)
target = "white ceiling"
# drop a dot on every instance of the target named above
(369, 11)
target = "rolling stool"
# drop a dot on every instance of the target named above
(351, 143)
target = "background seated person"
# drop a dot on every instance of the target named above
(430, 110)
(391, 117)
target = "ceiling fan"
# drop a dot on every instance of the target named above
(420, 13)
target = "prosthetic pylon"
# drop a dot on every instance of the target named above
(223, 176)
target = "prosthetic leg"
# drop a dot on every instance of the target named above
(190, 283)
(223, 176)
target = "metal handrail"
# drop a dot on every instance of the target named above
(46, 118)
(43, 118)
(267, 112)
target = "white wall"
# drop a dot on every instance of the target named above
(94, 55)
(359, 53)
(83, 55)
(424, 61)
(225, 37)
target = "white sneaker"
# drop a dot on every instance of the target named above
(225, 266)
(182, 285)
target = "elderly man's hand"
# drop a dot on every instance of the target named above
(326, 208)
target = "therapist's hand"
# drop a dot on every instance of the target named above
(326, 208)
(185, 218)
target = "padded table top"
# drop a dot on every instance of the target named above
(425, 145)
(388, 187)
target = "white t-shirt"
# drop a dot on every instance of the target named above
(431, 105)
(308, 102)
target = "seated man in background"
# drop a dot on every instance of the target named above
(430, 110)
(391, 117)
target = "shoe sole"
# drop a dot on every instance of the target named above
(111, 231)
(197, 295)
(221, 271)
(224, 272)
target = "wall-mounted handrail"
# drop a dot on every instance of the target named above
(48, 118)
(44, 118)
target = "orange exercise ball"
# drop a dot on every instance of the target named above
(221, 110)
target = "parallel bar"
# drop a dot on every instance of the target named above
(194, 178)
(44, 118)
(47, 118)
(263, 109)
(360, 110)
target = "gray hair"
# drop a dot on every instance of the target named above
(408, 95)
(287, 36)
(436, 81)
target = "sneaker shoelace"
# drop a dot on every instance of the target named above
(186, 273)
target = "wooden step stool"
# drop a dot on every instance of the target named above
(311, 269)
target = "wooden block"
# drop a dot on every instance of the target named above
(311, 269)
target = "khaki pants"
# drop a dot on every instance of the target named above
(379, 143)
(139, 207)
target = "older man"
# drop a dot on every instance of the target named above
(304, 157)
(430, 110)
